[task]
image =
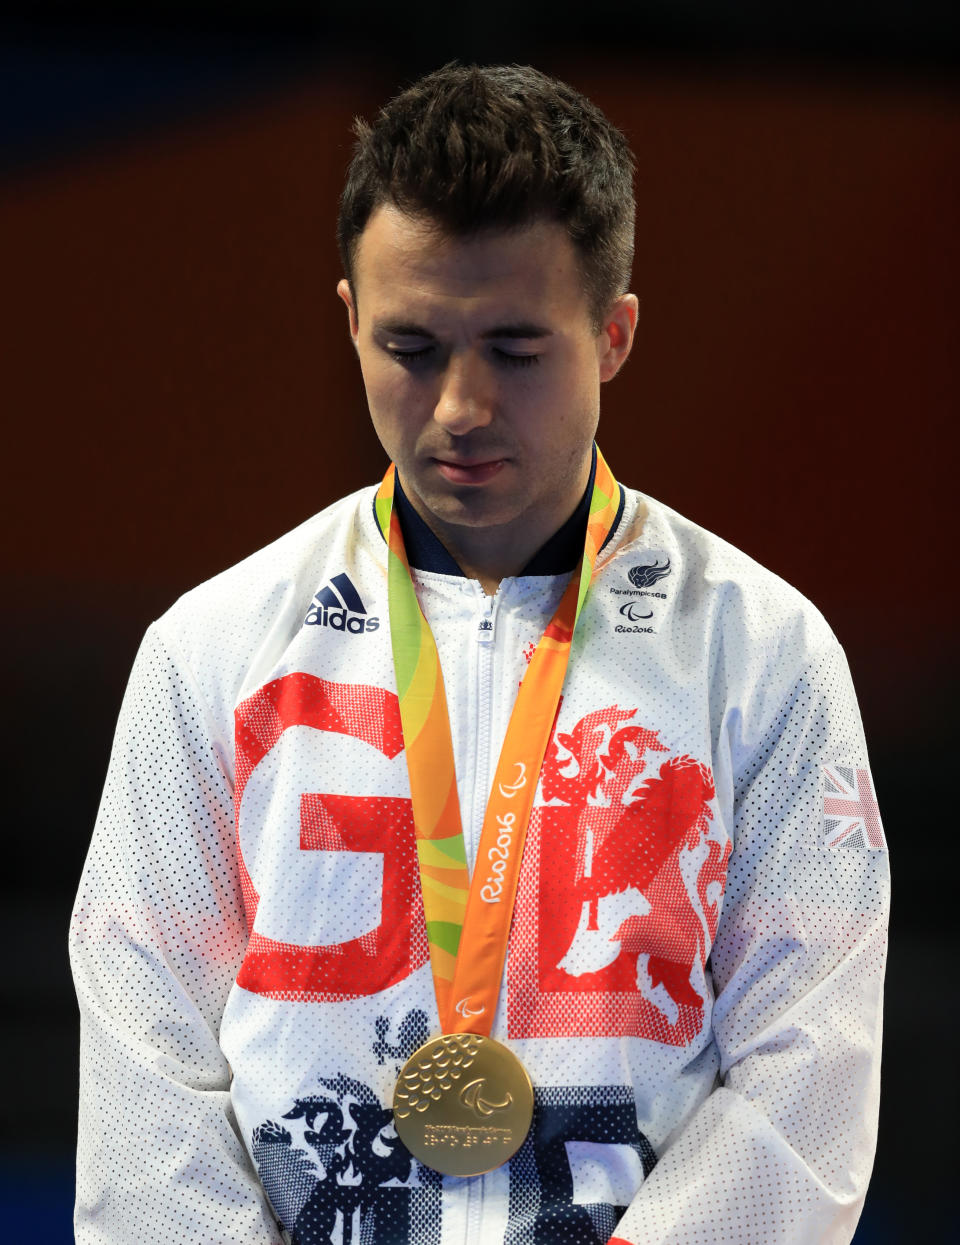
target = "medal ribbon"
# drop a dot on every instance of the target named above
(468, 923)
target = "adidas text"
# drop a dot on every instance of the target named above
(339, 620)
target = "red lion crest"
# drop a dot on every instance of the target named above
(631, 875)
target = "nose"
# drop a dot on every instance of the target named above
(467, 396)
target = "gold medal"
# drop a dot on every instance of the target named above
(463, 1104)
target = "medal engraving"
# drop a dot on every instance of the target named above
(463, 1104)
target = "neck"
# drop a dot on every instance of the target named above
(487, 554)
(546, 543)
(490, 553)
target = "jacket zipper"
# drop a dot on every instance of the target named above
(486, 636)
(486, 633)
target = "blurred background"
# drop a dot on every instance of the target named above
(179, 389)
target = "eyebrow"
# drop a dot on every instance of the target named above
(520, 331)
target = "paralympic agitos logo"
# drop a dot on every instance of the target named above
(636, 611)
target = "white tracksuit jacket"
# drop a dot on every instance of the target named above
(694, 974)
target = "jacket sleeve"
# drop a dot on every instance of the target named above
(156, 938)
(781, 1150)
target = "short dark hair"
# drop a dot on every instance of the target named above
(499, 146)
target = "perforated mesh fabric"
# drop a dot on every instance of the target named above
(156, 941)
(695, 965)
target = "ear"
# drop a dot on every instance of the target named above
(615, 339)
(346, 293)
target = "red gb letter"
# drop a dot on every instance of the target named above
(377, 830)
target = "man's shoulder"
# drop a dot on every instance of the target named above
(711, 577)
(271, 589)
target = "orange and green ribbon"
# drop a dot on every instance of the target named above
(468, 921)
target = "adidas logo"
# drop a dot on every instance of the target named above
(338, 605)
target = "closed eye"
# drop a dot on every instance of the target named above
(410, 356)
(420, 354)
(516, 360)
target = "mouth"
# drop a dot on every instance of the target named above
(474, 472)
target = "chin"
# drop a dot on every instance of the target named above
(470, 509)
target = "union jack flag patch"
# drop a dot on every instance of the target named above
(850, 811)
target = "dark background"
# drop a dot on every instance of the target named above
(178, 389)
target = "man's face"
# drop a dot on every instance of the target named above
(482, 372)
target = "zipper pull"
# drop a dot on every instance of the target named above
(485, 625)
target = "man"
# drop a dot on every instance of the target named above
(372, 947)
